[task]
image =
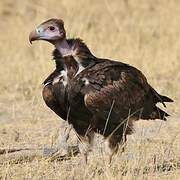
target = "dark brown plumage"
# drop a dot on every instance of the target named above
(99, 95)
(107, 96)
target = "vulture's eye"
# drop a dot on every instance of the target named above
(52, 28)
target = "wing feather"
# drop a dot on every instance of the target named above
(127, 87)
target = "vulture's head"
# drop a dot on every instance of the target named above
(51, 30)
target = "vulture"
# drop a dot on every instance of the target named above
(95, 95)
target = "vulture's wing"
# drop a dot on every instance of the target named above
(117, 89)
(115, 86)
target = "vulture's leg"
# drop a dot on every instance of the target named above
(85, 144)
(118, 138)
(112, 144)
(62, 139)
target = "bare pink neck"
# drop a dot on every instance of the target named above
(64, 48)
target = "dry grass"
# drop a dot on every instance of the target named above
(143, 33)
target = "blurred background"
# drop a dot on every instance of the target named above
(145, 34)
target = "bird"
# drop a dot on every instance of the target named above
(101, 95)
(54, 95)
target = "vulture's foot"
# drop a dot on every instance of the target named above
(62, 147)
(61, 154)
(48, 151)
(56, 150)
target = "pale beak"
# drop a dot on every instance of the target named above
(34, 35)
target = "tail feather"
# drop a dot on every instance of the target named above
(151, 111)
(166, 99)
(160, 98)
(159, 114)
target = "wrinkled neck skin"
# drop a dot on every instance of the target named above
(82, 57)
(70, 66)
(63, 47)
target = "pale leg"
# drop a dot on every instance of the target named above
(62, 146)
(62, 139)
(86, 144)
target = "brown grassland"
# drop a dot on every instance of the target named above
(145, 34)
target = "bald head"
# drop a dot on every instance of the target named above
(51, 30)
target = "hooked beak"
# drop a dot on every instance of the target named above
(34, 35)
